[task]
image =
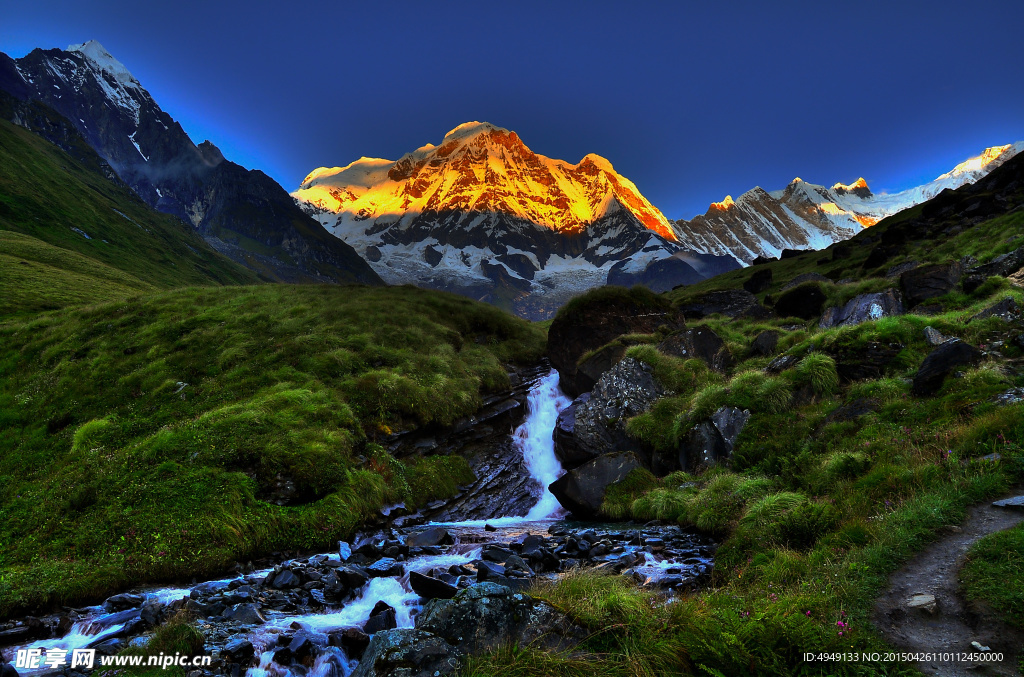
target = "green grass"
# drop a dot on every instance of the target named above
(994, 574)
(45, 194)
(114, 472)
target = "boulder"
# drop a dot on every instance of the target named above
(385, 567)
(123, 601)
(286, 579)
(582, 489)
(595, 320)
(246, 614)
(1003, 266)
(766, 343)
(928, 282)
(759, 281)
(804, 301)
(238, 650)
(1005, 309)
(869, 360)
(729, 302)
(382, 617)
(712, 441)
(351, 577)
(599, 422)
(940, 362)
(591, 369)
(700, 342)
(486, 616)
(429, 587)
(900, 268)
(863, 308)
(427, 537)
(352, 641)
(407, 652)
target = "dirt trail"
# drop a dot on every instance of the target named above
(954, 625)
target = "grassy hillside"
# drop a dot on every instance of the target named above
(144, 439)
(69, 235)
(834, 482)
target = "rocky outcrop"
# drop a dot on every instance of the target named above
(701, 343)
(593, 321)
(928, 282)
(729, 302)
(804, 301)
(758, 281)
(581, 490)
(590, 369)
(487, 616)
(1005, 309)
(940, 363)
(598, 421)
(863, 308)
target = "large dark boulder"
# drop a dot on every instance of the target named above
(1003, 265)
(729, 302)
(582, 489)
(427, 537)
(409, 653)
(429, 587)
(712, 441)
(940, 363)
(699, 342)
(864, 361)
(238, 650)
(759, 281)
(487, 616)
(804, 301)
(766, 343)
(589, 322)
(598, 422)
(863, 308)
(927, 282)
(589, 370)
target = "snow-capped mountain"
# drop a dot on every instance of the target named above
(483, 215)
(807, 216)
(243, 214)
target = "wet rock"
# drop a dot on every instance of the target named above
(409, 653)
(489, 571)
(922, 602)
(429, 587)
(766, 343)
(352, 641)
(941, 362)
(516, 563)
(385, 566)
(581, 490)
(109, 647)
(804, 301)
(351, 577)
(569, 453)
(486, 616)
(427, 537)
(382, 617)
(729, 302)
(927, 282)
(123, 601)
(1016, 502)
(934, 337)
(863, 308)
(590, 326)
(699, 342)
(286, 579)
(246, 614)
(590, 370)
(344, 551)
(152, 612)
(758, 281)
(238, 650)
(1005, 309)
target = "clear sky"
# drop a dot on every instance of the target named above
(689, 100)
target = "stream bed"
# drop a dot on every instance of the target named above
(314, 616)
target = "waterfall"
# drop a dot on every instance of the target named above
(534, 440)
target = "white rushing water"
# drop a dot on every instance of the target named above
(534, 438)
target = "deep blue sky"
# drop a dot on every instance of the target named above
(689, 100)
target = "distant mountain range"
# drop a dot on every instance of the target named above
(242, 213)
(483, 215)
(807, 216)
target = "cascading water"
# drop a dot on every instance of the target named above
(533, 439)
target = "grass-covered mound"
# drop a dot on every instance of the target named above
(141, 437)
(69, 235)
